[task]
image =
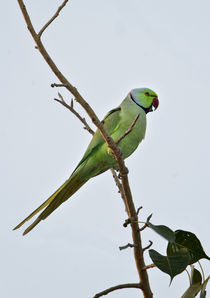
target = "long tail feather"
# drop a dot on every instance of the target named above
(32, 226)
(54, 201)
(46, 203)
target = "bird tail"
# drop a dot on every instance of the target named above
(64, 192)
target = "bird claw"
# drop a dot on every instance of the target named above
(124, 173)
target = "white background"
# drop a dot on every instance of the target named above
(105, 48)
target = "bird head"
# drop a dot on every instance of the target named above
(146, 98)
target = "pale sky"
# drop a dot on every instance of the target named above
(105, 48)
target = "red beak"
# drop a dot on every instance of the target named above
(155, 103)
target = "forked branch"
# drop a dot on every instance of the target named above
(71, 108)
(52, 19)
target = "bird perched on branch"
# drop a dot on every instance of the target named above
(126, 124)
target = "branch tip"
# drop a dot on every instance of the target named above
(144, 227)
(148, 246)
(138, 210)
(51, 19)
(127, 245)
(72, 104)
(119, 287)
(149, 267)
(58, 85)
(71, 109)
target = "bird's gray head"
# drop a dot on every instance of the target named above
(146, 98)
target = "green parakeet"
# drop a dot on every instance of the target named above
(97, 158)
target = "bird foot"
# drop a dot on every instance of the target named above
(124, 173)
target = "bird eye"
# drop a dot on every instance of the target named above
(146, 93)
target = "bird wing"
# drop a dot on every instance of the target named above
(111, 123)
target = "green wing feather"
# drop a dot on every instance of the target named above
(111, 122)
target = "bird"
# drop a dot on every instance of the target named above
(98, 158)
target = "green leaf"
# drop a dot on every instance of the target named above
(203, 294)
(203, 288)
(164, 231)
(185, 240)
(171, 265)
(195, 286)
(196, 276)
(192, 291)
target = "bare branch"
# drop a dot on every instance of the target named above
(119, 287)
(138, 210)
(149, 266)
(117, 181)
(53, 18)
(144, 227)
(148, 246)
(70, 107)
(127, 245)
(129, 130)
(126, 223)
(58, 85)
(120, 187)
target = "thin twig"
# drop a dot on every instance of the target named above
(148, 246)
(58, 85)
(127, 245)
(144, 227)
(120, 187)
(119, 287)
(117, 182)
(149, 267)
(138, 210)
(129, 130)
(52, 19)
(70, 107)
